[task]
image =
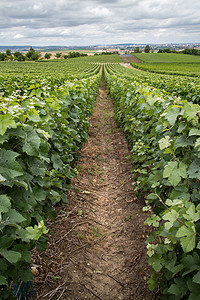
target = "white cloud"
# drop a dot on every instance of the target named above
(87, 22)
(18, 36)
(99, 11)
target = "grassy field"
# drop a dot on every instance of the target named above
(60, 66)
(167, 58)
(171, 68)
(169, 63)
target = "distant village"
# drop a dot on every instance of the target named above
(21, 53)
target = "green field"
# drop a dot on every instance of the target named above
(59, 66)
(169, 63)
(171, 68)
(167, 58)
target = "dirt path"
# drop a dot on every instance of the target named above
(96, 245)
(128, 65)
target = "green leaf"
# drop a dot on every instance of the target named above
(12, 256)
(172, 115)
(9, 167)
(194, 169)
(189, 264)
(153, 282)
(24, 250)
(194, 131)
(194, 289)
(194, 296)
(171, 173)
(34, 233)
(55, 105)
(170, 216)
(197, 143)
(36, 166)
(182, 170)
(153, 220)
(32, 142)
(191, 214)
(6, 121)
(164, 142)
(191, 110)
(5, 204)
(169, 168)
(57, 162)
(198, 245)
(34, 115)
(179, 288)
(6, 242)
(2, 179)
(14, 217)
(181, 141)
(26, 275)
(174, 172)
(39, 194)
(196, 278)
(187, 237)
(3, 281)
(151, 99)
(155, 262)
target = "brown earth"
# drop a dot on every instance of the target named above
(129, 66)
(96, 247)
(131, 59)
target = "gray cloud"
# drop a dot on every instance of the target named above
(78, 22)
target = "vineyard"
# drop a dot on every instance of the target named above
(45, 117)
(169, 63)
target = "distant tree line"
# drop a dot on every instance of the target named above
(106, 53)
(65, 56)
(33, 55)
(30, 55)
(146, 49)
(191, 51)
(74, 54)
(168, 50)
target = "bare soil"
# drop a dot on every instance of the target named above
(131, 59)
(129, 66)
(96, 247)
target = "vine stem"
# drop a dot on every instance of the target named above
(8, 104)
(24, 120)
(170, 136)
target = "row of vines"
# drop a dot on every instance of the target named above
(43, 123)
(163, 132)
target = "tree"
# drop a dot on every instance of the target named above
(47, 55)
(8, 52)
(195, 51)
(137, 50)
(2, 56)
(58, 54)
(19, 56)
(166, 50)
(36, 56)
(147, 49)
(32, 54)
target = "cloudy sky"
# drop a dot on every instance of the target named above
(90, 22)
